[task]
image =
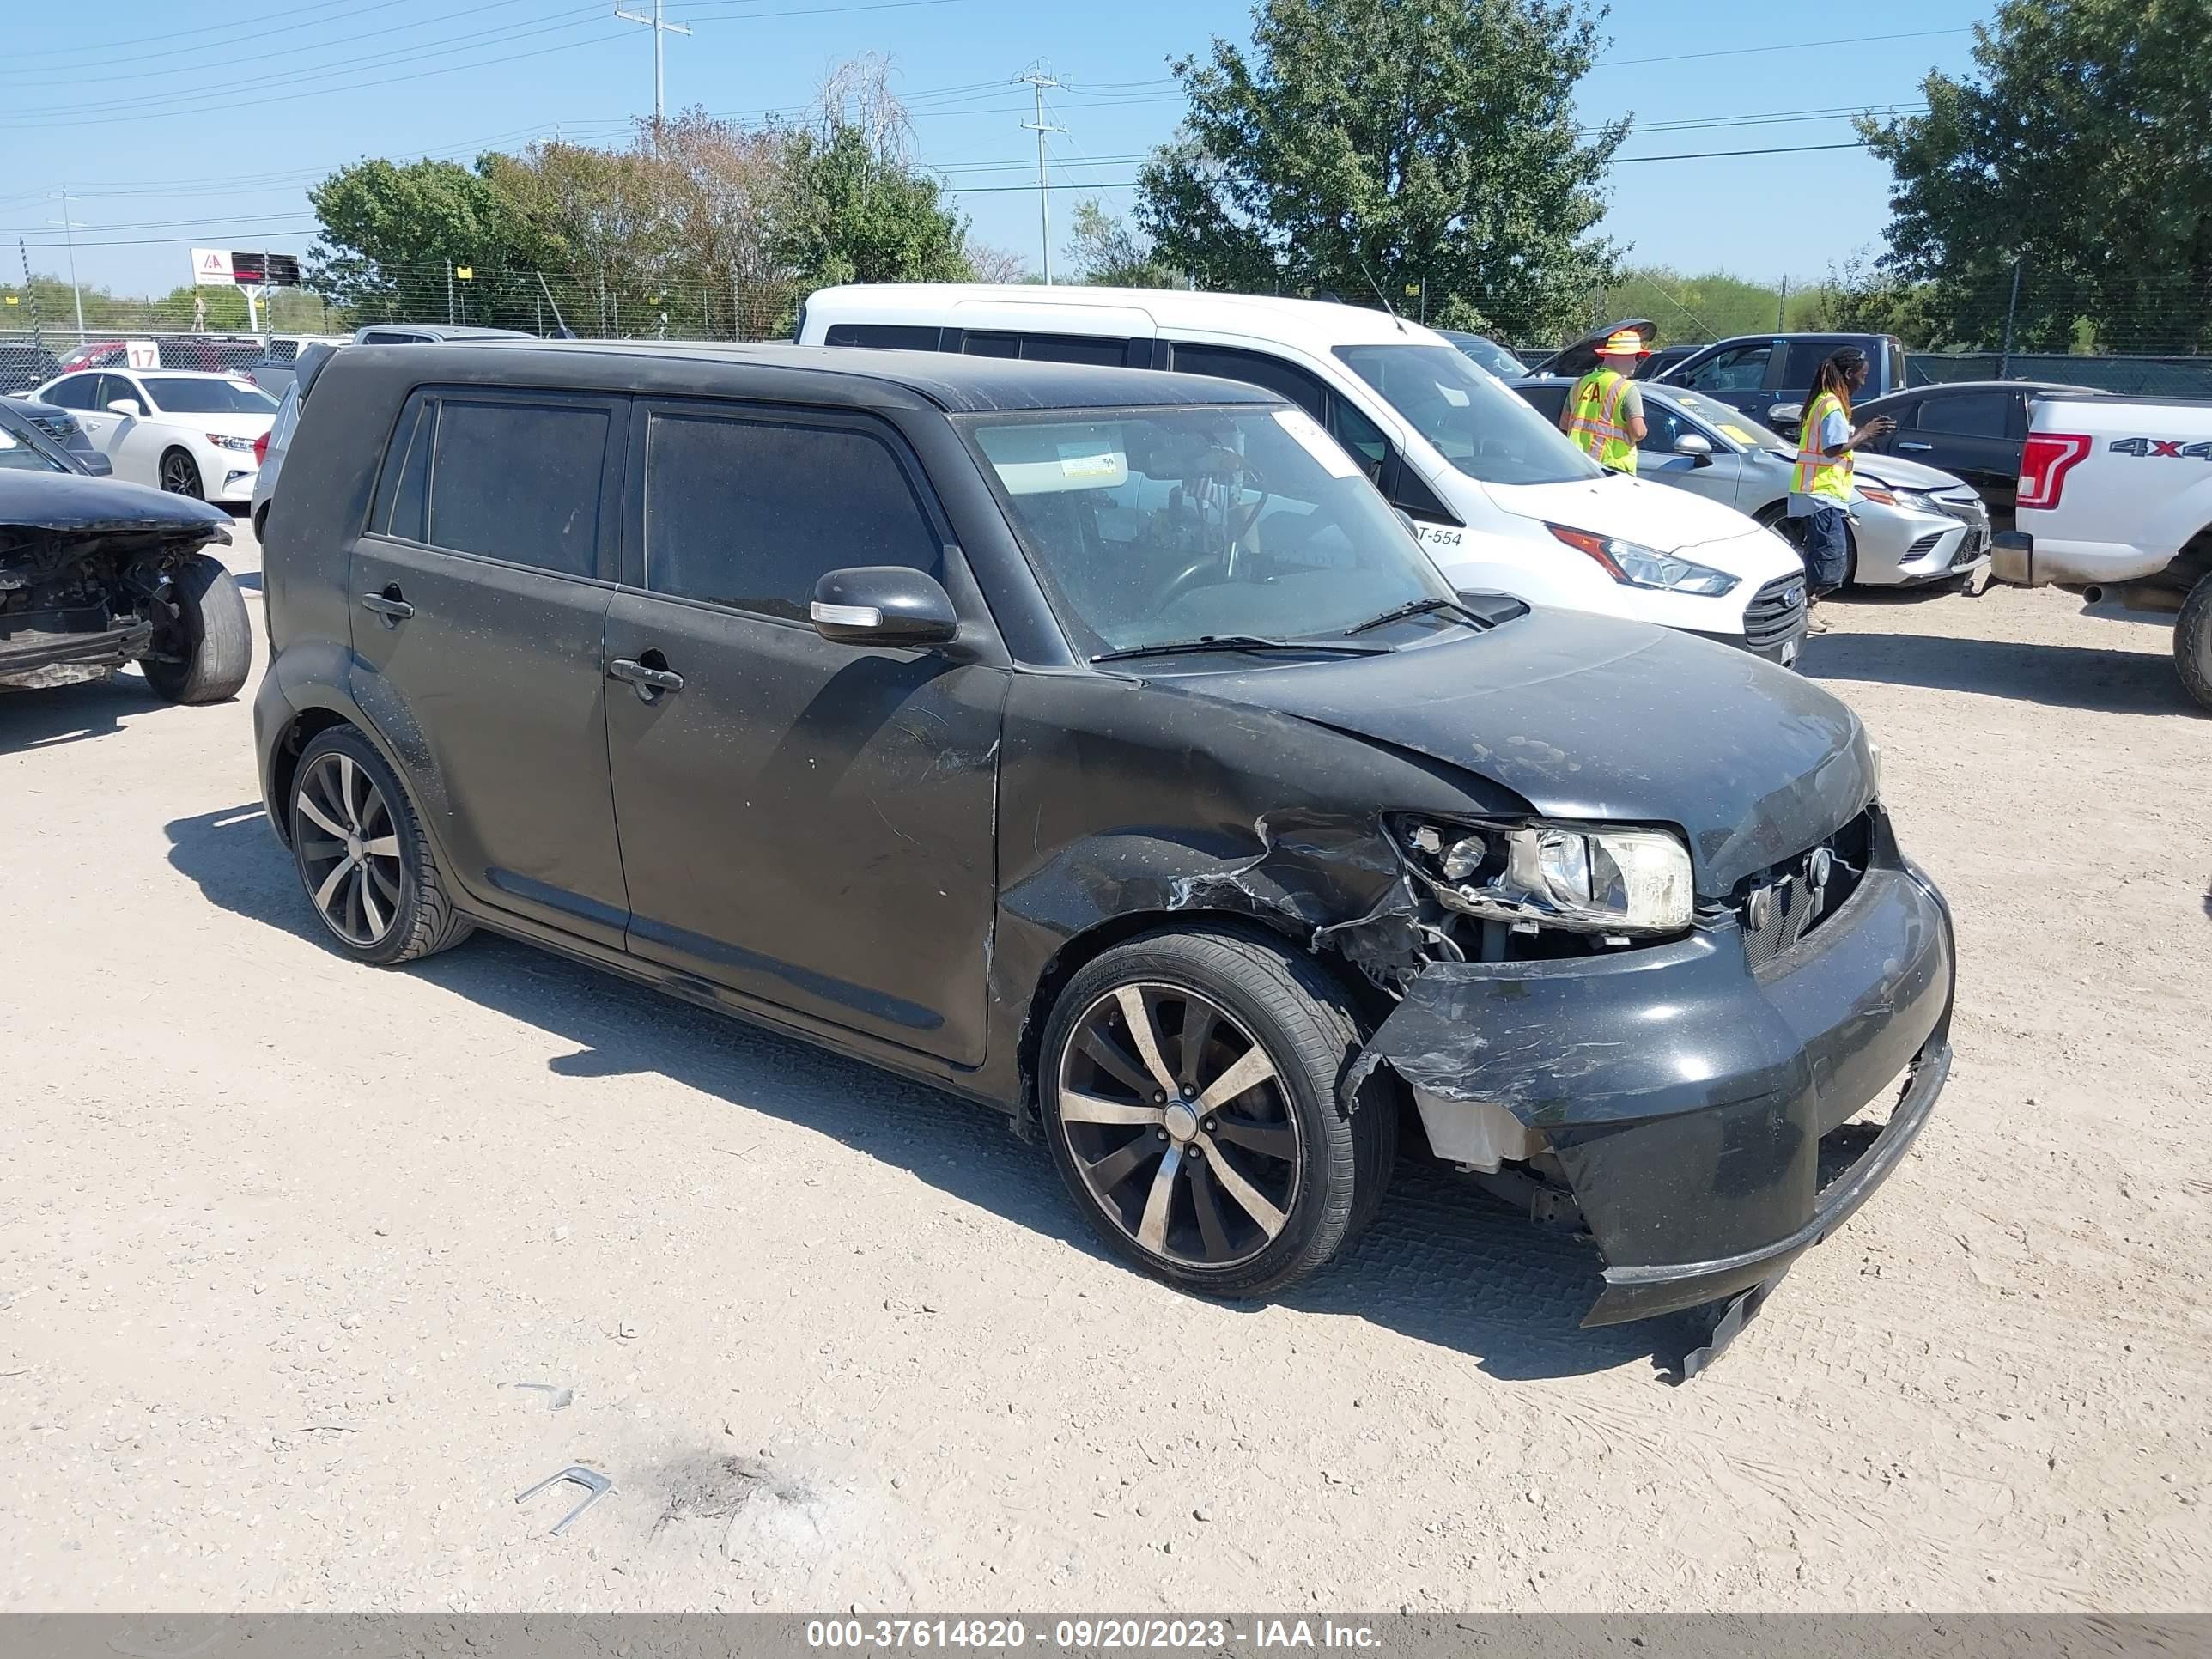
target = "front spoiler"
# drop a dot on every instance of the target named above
(1685, 1095)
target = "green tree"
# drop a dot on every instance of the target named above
(1390, 144)
(1105, 250)
(2082, 147)
(854, 213)
(389, 233)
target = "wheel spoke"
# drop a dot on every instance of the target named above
(1197, 1020)
(1118, 1165)
(346, 773)
(1248, 1073)
(1248, 1197)
(316, 816)
(384, 847)
(355, 920)
(1152, 1231)
(1138, 1012)
(369, 905)
(328, 892)
(1109, 1054)
(1277, 1140)
(1208, 1206)
(390, 887)
(1077, 1107)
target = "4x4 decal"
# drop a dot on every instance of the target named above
(2162, 446)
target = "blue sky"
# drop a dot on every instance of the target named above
(176, 122)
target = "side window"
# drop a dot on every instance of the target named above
(1804, 362)
(1075, 349)
(519, 481)
(1256, 368)
(1969, 414)
(1906, 413)
(388, 337)
(751, 514)
(1662, 425)
(111, 388)
(883, 336)
(75, 392)
(407, 469)
(982, 344)
(1361, 437)
(1740, 368)
(1549, 401)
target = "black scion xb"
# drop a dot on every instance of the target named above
(1098, 744)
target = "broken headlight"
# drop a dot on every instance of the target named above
(1588, 877)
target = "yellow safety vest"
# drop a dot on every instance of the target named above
(1829, 477)
(1597, 425)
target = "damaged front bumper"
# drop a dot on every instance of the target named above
(1686, 1096)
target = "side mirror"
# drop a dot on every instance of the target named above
(1695, 445)
(1785, 415)
(123, 406)
(883, 605)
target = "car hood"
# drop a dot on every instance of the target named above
(1635, 509)
(1592, 718)
(71, 503)
(1905, 474)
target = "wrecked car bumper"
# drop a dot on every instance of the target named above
(32, 641)
(1686, 1095)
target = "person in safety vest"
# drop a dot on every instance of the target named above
(1604, 414)
(1821, 486)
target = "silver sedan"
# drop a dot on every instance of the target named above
(1909, 523)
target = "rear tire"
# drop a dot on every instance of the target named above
(211, 640)
(1299, 1176)
(2192, 643)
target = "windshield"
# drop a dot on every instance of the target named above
(1731, 422)
(183, 394)
(1491, 355)
(1153, 526)
(1476, 424)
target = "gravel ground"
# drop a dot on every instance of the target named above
(284, 1242)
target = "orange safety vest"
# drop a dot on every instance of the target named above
(1596, 426)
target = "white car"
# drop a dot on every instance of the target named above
(1498, 496)
(188, 433)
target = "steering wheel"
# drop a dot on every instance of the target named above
(1196, 574)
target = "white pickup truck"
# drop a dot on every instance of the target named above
(2116, 503)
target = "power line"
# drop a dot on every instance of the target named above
(228, 29)
(1787, 45)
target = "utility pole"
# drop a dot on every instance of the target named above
(1037, 78)
(1782, 307)
(662, 28)
(69, 228)
(2012, 308)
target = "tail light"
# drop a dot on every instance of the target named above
(261, 450)
(2043, 465)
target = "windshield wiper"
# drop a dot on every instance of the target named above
(1240, 642)
(1417, 608)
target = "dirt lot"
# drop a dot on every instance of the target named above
(280, 1236)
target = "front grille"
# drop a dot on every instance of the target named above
(1967, 509)
(55, 426)
(1776, 614)
(1780, 907)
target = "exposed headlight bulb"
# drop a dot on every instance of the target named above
(1465, 858)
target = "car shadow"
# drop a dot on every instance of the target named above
(1442, 1264)
(2057, 675)
(71, 713)
(248, 580)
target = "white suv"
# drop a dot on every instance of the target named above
(1499, 498)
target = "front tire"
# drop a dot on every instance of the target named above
(1189, 1087)
(363, 857)
(2192, 643)
(180, 474)
(207, 650)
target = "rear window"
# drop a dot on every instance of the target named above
(517, 481)
(751, 514)
(885, 336)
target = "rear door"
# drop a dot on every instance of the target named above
(1736, 375)
(479, 600)
(806, 823)
(1975, 433)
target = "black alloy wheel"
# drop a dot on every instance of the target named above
(348, 849)
(180, 474)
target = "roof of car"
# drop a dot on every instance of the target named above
(828, 375)
(1925, 387)
(1269, 316)
(444, 330)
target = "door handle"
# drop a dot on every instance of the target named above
(1915, 446)
(650, 682)
(389, 606)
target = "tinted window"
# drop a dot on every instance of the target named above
(978, 344)
(389, 337)
(752, 514)
(409, 462)
(18, 454)
(1662, 425)
(1740, 368)
(179, 396)
(1969, 414)
(1547, 400)
(1476, 423)
(519, 482)
(1256, 368)
(1804, 362)
(114, 388)
(889, 336)
(1362, 439)
(75, 392)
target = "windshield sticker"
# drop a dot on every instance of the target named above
(1738, 434)
(1316, 442)
(1092, 460)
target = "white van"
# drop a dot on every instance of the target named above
(1500, 499)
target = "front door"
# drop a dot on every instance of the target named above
(806, 823)
(479, 606)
